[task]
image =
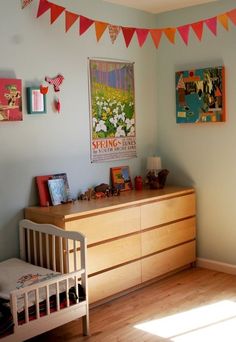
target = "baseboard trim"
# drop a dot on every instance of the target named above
(216, 266)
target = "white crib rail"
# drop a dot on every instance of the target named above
(48, 246)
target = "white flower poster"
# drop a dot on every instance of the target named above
(112, 110)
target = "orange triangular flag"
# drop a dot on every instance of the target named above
(170, 34)
(223, 19)
(100, 27)
(156, 36)
(198, 29)
(70, 19)
(56, 11)
(232, 16)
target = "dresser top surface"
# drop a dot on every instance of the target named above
(94, 206)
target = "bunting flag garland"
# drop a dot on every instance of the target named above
(198, 29)
(142, 35)
(56, 11)
(113, 32)
(184, 32)
(70, 19)
(44, 6)
(100, 27)
(128, 32)
(232, 16)
(223, 19)
(170, 34)
(84, 24)
(212, 24)
(156, 36)
(25, 3)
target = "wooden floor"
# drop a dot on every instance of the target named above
(190, 289)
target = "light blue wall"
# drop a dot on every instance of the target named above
(201, 155)
(52, 143)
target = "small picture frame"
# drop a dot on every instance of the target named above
(36, 101)
(120, 178)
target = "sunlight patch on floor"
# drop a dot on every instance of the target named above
(207, 323)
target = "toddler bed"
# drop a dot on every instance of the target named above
(37, 291)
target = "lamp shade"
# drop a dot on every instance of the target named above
(153, 163)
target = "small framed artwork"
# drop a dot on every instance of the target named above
(10, 99)
(200, 95)
(36, 101)
(120, 178)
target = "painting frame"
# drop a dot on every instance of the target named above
(112, 110)
(10, 99)
(36, 101)
(120, 178)
(200, 95)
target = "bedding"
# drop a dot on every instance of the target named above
(16, 274)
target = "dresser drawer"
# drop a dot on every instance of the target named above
(109, 283)
(113, 253)
(154, 214)
(164, 237)
(107, 226)
(167, 261)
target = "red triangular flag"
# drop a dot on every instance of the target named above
(156, 36)
(128, 33)
(142, 35)
(70, 19)
(232, 16)
(44, 5)
(212, 24)
(56, 11)
(84, 24)
(184, 32)
(198, 29)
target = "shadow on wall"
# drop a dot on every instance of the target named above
(9, 237)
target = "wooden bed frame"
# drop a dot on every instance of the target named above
(51, 247)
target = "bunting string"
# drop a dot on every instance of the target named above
(128, 32)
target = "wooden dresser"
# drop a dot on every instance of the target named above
(132, 238)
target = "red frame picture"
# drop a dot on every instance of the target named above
(10, 100)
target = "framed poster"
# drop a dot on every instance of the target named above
(200, 95)
(112, 110)
(120, 178)
(10, 100)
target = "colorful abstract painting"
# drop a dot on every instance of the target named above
(200, 95)
(10, 100)
(112, 110)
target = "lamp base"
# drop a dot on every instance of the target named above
(157, 182)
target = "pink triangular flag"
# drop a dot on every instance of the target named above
(84, 24)
(198, 29)
(142, 35)
(212, 24)
(232, 16)
(184, 32)
(25, 3)
(44, 5)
